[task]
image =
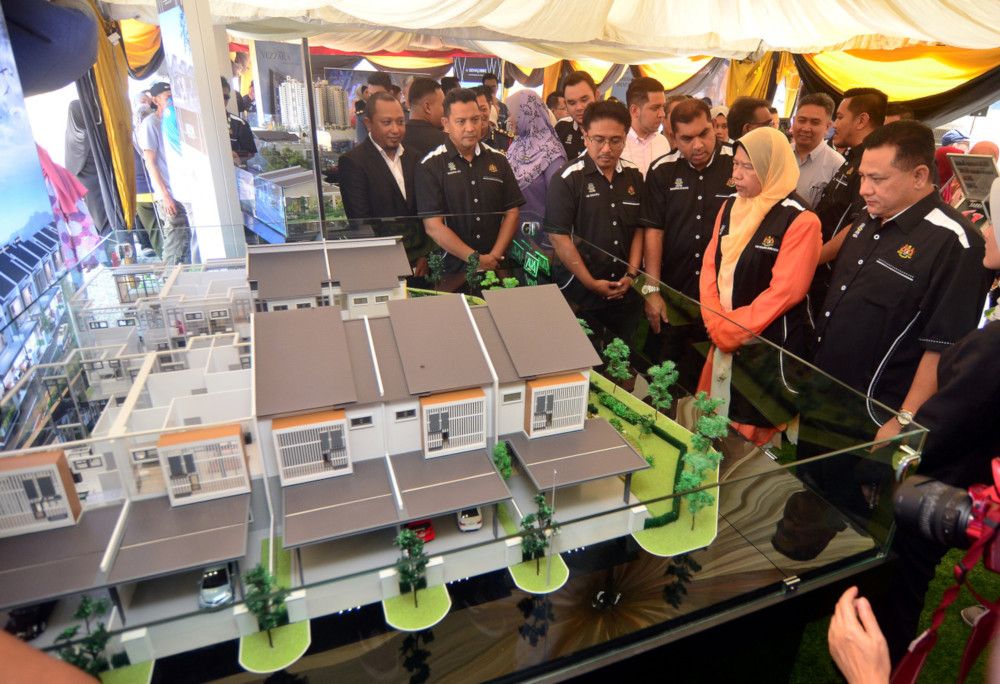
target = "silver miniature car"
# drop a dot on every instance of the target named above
(215, 589)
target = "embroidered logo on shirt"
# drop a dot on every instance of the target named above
(569, 139)
(493, 168)
(591, 188)
(857, 231)
(630, 190)
(906, 252)
(768, 241)
(679, 185)
(451, 166)
(730, 184)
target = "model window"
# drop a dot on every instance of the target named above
(196, 316)
(361, 300)
(558, 407)
(362, 421)
(303, 306)
(312, 450)
(381, 299)
(406, 415)
(253, 284)
(97, 325)
(280, 307)
(438, 433)
(323, 301)
(126, 322)
(219, 313)
(511, 397)
(261, 307)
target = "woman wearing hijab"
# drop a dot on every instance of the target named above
(755, 275)
(536, 154)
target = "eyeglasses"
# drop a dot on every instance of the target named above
(225, 97)
(600, 141)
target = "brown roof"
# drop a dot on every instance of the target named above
(373, 267)
(301, 361)
(199, 435)
(390, 364)
(540, 331)
(437, 344)
(287, 274)
(502, 362)
(362, 365)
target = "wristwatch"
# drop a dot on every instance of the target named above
(904, 418)
(647, 290)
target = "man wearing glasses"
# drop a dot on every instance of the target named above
(746, 114)
(592, 216)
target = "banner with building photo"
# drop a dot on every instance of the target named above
(279, 76)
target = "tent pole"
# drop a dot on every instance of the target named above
(310, 101)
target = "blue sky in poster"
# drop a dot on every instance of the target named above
(25, 204)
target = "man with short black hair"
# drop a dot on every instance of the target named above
(376, 179)
(860, 112)
(671, 102)
(597, 197)
(897, 111)
(644, 142)
(908, 283)
(240, 136)
(378, 82)
(449, 83)
(746, 114)
(424, 127)
(817, 160)
(498, 110)
(491, 135)
(557, 105)
(579, 90)
(466, 191)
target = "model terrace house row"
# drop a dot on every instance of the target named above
(358, 276)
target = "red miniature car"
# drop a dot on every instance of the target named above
(423, 529)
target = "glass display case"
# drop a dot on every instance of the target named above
(635, 556)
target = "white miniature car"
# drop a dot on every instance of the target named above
(215, 589)
(470, 519)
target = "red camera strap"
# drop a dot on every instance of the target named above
(909, 667)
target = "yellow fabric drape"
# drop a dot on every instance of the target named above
(111, 79)
(141, 42)
(672, 72)
(904, 74)
(790, 75)
(414, 63)
(749, 79)
(550, 80)
(596, 68)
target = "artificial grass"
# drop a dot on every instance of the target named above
(506, 519)
(290, 643)
(813, 664)
(400, 613)
(282, 562)
(527, 579)
(140, 673)
(678, 537)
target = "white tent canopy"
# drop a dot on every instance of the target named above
(533, 33)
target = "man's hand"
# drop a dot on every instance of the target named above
(609, 289)
(856, 642)
(488, 262)
(169, 206)
(889, 429)
(656, 311)
(420, 268)
(236, 159)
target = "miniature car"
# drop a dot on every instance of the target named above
(423, 529)
(215, 589)
(28, 622)
(470, 519)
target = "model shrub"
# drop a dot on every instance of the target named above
(86, 654)
(412, 563)
(501, 459)
(265, 600)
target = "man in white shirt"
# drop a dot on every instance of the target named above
(646, 105)
(817, 160)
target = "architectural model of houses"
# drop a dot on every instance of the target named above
(36, 493)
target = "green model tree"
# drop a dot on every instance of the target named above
(510, 283)
(489, 281)
(701, 458)
(501, 459)
(616, 356)
(646, 423)
(533, 526)
(661, 379)
(88, 653)
(472, 276)
(435, 267)
(265, 600)
(412, 563)
(587, 330)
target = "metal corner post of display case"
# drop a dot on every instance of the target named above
(313, 142)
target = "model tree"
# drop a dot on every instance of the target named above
(435, 267)
(489, 281)
(412, 563)
(472, 276)
(533, 526)
(661, 379)
(265, 600)
(701, 458)
(616, 356)
(88, 653)
(585, 326)
(501, 459)
(510, 283)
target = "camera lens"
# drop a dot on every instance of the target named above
(939, 511)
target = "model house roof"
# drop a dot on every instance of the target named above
(287, 274)
(502, 363)
(301, 361)
(389, 361)
(25, 256)
(367, 268)
(540, 331)
(10, 268)
(35, 248)
(437, 344)
(362, 364)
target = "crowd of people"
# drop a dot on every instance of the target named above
(834, 241)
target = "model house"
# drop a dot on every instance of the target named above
(36, 493)
(203, 464)
(358, 276)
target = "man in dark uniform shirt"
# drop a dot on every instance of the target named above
(424, 127)
(240, 136)
(684, 190)
(579, 90)
(466, 192)
(860, 112)
(593, 218)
